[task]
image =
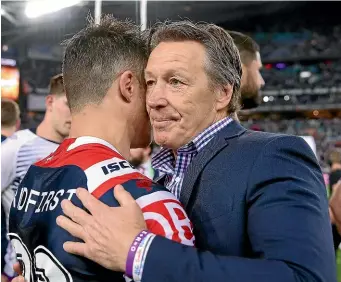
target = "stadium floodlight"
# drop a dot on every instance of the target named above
(36, 9)
(305, 74)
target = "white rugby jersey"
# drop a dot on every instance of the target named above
(18, 153)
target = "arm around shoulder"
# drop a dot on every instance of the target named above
(288, 227)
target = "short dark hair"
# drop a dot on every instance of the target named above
(246, 45)
(99, 53)
(10, 112)
(56, 85)
(223, 64)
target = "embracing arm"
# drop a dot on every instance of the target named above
(288, 227)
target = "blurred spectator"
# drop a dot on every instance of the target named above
(252, 80)
(334, 177)
(10, 118)
(10, 122)
(335, 167)
(141, 159)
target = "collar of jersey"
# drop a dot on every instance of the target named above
(83, 140)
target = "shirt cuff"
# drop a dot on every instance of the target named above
(140, 257)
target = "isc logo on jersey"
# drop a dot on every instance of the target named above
(165, 216)
(111, 167)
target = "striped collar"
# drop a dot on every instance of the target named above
(164, 160)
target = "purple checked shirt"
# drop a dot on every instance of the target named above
(175, 169)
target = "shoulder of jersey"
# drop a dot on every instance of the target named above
(20, 137)
(103, 167)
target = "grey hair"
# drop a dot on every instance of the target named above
(222, 65)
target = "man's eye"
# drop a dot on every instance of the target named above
(175, 82)
(150, 83)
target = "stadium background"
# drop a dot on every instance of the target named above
(300, 47)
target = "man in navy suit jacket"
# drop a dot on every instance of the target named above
(257, 200)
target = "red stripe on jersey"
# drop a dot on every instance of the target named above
(166, 217)
(109, 184)
(83, 156)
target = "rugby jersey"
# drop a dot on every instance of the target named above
(96, 165)
(18, 153)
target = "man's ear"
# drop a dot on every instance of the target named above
(224, 96)
(48, 102)
(126, 85)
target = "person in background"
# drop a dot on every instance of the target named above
(252, 80)
(27, 146)
(335, 168)
(141, 159)
(334, 177)
(10, 118)
(10, 122)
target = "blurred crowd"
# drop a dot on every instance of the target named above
(300, 43)
(305, 62)
(324, 74)
(324, 131)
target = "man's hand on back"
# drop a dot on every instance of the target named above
(118, 225)
(17, 270)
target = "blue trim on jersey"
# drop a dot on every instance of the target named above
(34, 131)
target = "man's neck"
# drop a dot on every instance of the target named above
(96, 124)
(7, 131)
(46, 131)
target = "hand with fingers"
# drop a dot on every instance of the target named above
(17, 269)
(119, 225)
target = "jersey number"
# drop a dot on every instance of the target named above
(44, 265)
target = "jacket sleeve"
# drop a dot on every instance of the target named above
(288, 227)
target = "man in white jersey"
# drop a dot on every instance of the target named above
(26, 147)
(10, 122)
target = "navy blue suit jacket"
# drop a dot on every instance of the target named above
(260, 212)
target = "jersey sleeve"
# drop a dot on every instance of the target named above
(163, 213)
(9, 151)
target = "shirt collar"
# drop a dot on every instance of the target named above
(164, 160)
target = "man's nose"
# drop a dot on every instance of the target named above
(157, 97)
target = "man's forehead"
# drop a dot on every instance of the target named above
(180, 54)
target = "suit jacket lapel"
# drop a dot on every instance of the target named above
(218, 143)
